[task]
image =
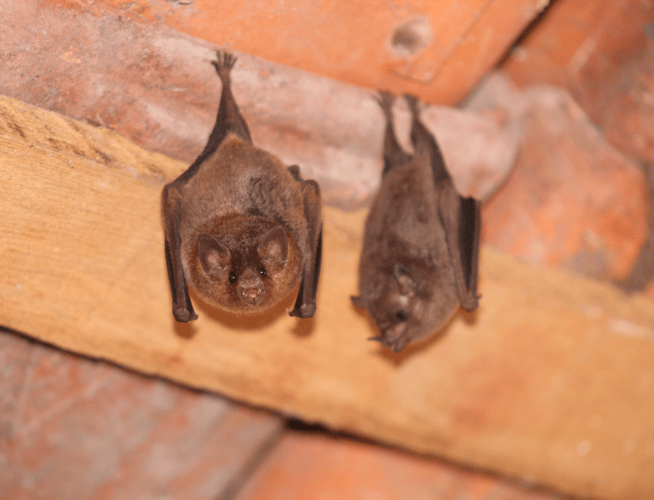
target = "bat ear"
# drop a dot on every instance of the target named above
(404, 279)
(274, 247)
(359, 301)
(214, 256)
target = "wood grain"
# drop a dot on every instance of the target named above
(550, 381)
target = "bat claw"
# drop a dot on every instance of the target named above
(304, 311)
(224, 63)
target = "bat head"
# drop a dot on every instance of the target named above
(409, 304)
(245, 267)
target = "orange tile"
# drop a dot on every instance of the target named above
(436, 50)
(602, 52)
(83, 429)
(320, 466)
(572, 198)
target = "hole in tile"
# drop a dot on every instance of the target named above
(411, 37)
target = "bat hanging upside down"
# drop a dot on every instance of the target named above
(421, 241)
(241, 228)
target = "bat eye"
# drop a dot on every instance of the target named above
(232, 277)
(262, 272)
(400, 315)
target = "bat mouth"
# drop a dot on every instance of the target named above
(252, 296)
(395, 337)
(394, 345)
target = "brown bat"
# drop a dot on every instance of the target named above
(241, 228)
(421, 241)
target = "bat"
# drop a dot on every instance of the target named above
(240, 227)
(421, 241)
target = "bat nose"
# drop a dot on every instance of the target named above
(252, 291)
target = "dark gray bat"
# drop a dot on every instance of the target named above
(421, 241)
(241, 228)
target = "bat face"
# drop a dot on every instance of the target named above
(245, 266)
(412, 303)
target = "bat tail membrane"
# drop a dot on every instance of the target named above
(423, 140)
(394, 155)
(229, 119)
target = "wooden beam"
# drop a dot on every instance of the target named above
(550, 381)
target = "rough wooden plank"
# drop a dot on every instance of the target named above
(551, 380)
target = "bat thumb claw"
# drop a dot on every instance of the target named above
(303, 311)
(184, 315)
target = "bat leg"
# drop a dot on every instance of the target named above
(394, 155)
(424, 141)
(229, 118)
(462, 221)
(305, 305)
(182, 307)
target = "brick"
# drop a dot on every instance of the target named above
(572, 199)
(85, 429)
(322, 467)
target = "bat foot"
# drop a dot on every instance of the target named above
(471, 303)
(385, 100)
(224, 63)
(303, 311)
(414, 104)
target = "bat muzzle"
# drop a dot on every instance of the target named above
(252, 296)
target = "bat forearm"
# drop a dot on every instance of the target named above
(182, 307)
